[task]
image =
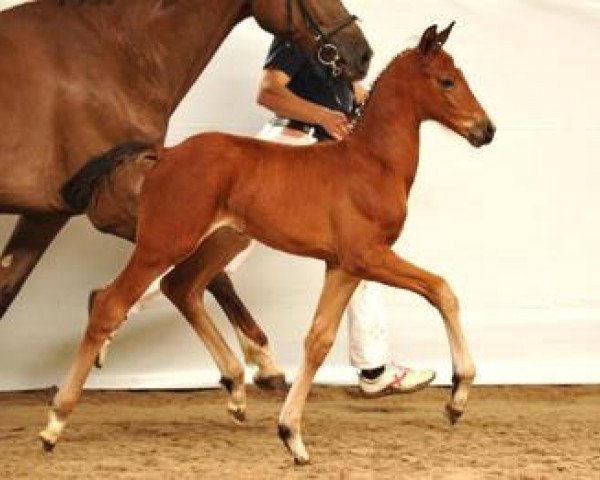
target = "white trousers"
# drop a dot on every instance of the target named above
(367, 320)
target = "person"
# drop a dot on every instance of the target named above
(312, 105)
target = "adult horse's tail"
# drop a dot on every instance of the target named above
(78, 191)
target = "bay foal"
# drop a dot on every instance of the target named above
(342, 202)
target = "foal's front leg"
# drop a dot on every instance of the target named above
(336, 293)
(383, 265)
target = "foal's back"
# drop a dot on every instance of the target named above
(284, 196)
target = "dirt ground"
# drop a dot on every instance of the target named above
(506, 433)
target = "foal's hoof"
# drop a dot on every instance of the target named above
(293, 444)
(238, 416)
(273, 383)
(301, 461)
(453, 414)
(47, 443)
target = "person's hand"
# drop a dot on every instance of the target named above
(335, 123)
(360, 93)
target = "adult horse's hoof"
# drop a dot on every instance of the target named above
(273, 383)
(453, 414)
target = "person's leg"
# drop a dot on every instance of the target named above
(369, 344)
(367, 332)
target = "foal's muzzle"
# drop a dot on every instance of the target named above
(481, 133)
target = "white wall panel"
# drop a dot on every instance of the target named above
(514, 226)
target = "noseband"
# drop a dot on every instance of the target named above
(327, 53)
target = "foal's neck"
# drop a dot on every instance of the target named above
(388, 131)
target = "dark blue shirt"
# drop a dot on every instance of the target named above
(310, 80)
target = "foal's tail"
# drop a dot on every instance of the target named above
(78, 190)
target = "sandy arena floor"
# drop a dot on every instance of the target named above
(506, 433)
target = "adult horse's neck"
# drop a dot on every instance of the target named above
(170, 42)
(390, 123)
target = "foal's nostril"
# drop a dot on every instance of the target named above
(490, 130)
(481, 132)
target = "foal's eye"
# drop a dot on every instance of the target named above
(446, 83)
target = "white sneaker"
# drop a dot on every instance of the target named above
(396, 379)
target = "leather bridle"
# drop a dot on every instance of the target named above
(327, 52)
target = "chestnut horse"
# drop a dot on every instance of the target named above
(100, 72)
(343, 202)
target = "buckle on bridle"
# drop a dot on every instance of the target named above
(329, 56)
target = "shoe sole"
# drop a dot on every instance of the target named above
(395, 391)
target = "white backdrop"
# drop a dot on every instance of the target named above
(513, 226)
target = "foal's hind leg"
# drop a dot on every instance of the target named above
(252, 339)
(337, 290)
(185, 286)
(108, 311)
(383, 265)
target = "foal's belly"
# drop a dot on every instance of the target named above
(292, 231)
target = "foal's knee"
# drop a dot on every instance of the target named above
(443, 297)
(317, 345)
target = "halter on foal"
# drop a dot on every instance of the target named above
(342, 202)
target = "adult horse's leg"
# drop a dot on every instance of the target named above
(383, 265)
(108, 311)
(28, 242)
(184, 286)
(337, 290)
(252, 339)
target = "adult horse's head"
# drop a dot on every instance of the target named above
(322, 27)
(444, 93)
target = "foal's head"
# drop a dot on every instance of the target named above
(443, 93)
(322, 27)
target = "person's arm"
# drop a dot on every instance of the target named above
(274, 95)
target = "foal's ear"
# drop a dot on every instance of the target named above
(444, 34)
(428, 41)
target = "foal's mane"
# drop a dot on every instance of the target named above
(361, 109)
